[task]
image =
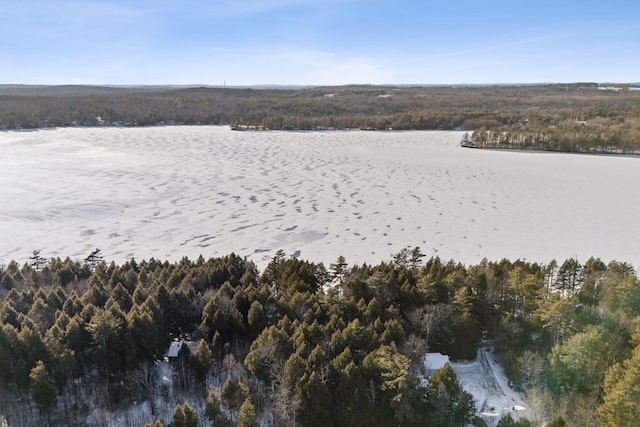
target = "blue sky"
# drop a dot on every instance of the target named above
(318, 42)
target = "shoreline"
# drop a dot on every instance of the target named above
(531, 150)
(254, 129)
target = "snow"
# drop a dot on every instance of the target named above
(169, 192)
(176, 346)
(485, 379)
(165, 373)
(435, 361)
(174, 349)
(613, 88)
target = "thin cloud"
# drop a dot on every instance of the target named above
(36, 24)
(257, 6)
(310, 42)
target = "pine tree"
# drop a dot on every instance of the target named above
(506, 421)
(213, 408)
(621, 401)
(247, 415)
(451, 405)
(43, 391)
(558, 422)
(183, 416)
(201, 361)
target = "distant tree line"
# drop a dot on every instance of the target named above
(342, 107)
(572, 118)
(576, 138)
(302, 344)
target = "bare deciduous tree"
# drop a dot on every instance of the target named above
(142, 382)
(429, 318)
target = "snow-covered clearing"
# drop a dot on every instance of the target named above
(169, 192)
(485, 379)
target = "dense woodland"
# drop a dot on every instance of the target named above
(594, 136)
(303, 344)
(581, 117)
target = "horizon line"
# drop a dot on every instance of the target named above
(302, 86)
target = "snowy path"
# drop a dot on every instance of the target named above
(485, 379)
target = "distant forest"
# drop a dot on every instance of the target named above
(301, 344)
(581, 117)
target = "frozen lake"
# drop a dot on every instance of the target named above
(169, 192)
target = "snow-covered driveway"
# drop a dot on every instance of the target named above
(485, 379)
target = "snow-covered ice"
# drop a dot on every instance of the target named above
(169, 192)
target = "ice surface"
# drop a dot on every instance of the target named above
(169, 192)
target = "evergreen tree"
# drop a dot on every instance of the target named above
(451, 405)
(247, 415)
(201, 361)
(44, 393)
(506, 421)
(178, 416)
(557, 422)
(213, 408)
(256, 318)
(233, 393)
(183, 416)
(621, 401)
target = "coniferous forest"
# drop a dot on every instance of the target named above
(310, 345)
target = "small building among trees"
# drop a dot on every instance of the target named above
(433, 362)
(179, 349)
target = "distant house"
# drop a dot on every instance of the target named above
(613, 88)
(178, 349)
(467, 141)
